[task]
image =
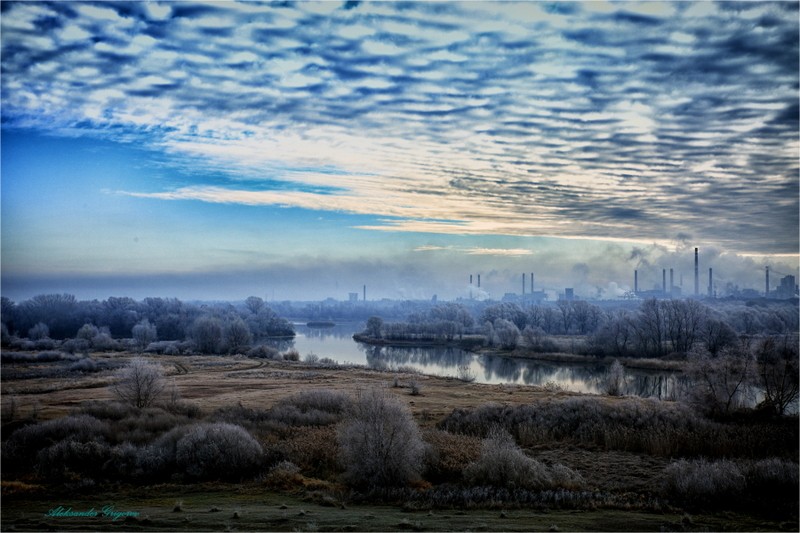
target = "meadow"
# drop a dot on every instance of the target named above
(244, 443)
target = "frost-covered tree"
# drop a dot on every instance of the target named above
(140, 383)
(143, 334)
(778, 371)
(237, 335)
(39, 331)
(374, 326)
(254, 304)
(207, 334)
(506, 333)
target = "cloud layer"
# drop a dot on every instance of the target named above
(621, 121)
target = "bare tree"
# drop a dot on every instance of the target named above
(721, 382)
(207, 334)
(143, 334)
(683, 321)
(237, 335)
(374, 325)
(567, 314)
(140, 383)
(778, 371)
(254, 304)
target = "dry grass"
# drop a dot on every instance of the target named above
(213, 382)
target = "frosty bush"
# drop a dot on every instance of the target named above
(218, 451)
(703, 482)
(24, 444)
(503, 464)
(615, 379)
(380, 444)
(263, 351)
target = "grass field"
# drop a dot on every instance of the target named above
(622, 491)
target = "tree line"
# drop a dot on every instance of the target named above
(99, 324)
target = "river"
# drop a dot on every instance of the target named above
(337, 343)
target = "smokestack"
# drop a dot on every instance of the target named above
(531, 283)
(523, 284)
(671, 281)
(365, 293)
(696, 274)
(479, 281)
(710, 283)
(766, 292)
(664, 280)
(470, 279)
(635, 281)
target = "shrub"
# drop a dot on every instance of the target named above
(263, 351)
(284, 476)
(291, 355)
(380, 444)
(700, 482)
(503, 464)
(630, 424)
(311, 408)
(75, 345)
(449, 454)
(615, 379)
(164, 347)
(140, 383)
(73, 457)
(39, 331)
(87, 364)
(311, 358)
(465, 374)
(158, 460)
(218, 451)
(87, 332)
(25, 443)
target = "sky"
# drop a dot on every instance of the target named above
(301, 150)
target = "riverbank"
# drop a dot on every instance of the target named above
(468, 343)
(475, 344)
(670, 365)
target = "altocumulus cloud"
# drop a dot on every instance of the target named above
(634, 121)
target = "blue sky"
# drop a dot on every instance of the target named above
(221, 149)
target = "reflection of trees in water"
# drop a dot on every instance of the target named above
(279, 344)
(340, 331)
(436, 356)
(650, 385)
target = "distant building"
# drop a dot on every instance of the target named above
(787, 288)
(569, 294)
(353, 296)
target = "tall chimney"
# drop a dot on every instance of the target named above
(470, 279)
(664, 280)
(531, 283)
(696, 274)
(766, 293)
(523, 285)
(671, 281)
(710, 283)
(365, 293)
(479, 281)
(635, 281)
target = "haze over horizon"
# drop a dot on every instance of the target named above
(217, 150)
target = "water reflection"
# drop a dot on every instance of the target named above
(337, 343)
